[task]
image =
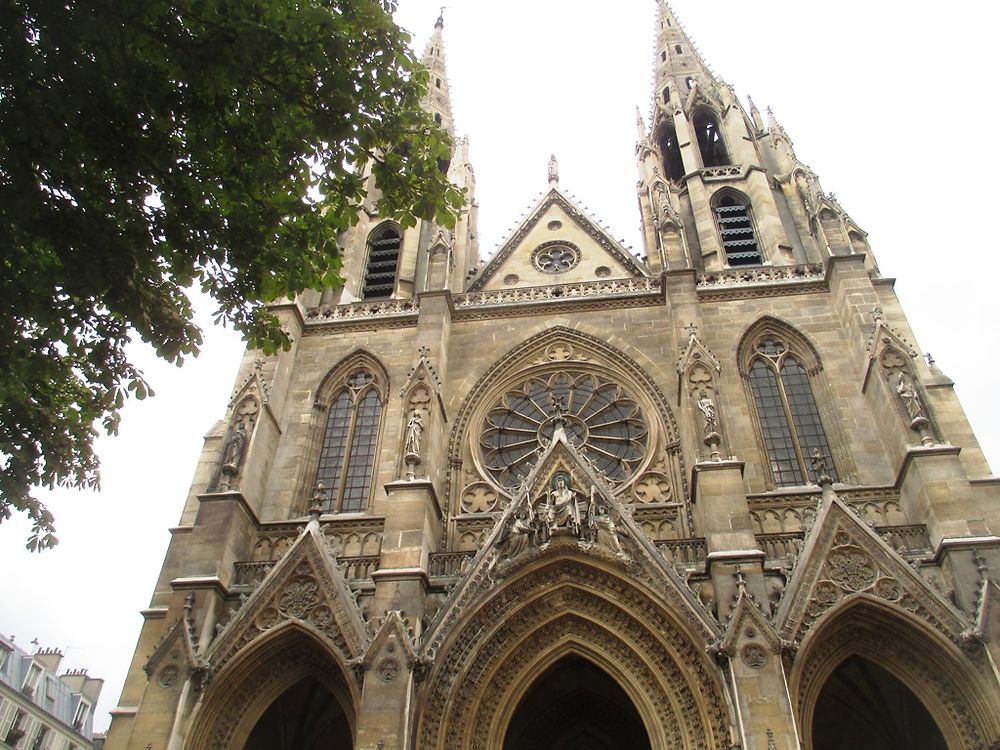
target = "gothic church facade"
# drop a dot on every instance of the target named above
(707, 498)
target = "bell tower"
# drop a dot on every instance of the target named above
(384, 261)
(719, 188)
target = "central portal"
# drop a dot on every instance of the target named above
(576, 706)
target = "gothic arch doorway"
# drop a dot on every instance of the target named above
(863, 705)
(575, 705)
(307, 716)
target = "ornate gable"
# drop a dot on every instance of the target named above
(557, 243)
(307, 586)
(564, 502)
(843, 558)
(176, 655)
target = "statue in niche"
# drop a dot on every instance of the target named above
(909, 396)
(562, 505)
(414, 431)
(707, 407)
(235, 446)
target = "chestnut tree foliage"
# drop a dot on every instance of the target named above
(147, 146)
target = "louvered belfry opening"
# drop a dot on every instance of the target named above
(383, 259)
(739, 240)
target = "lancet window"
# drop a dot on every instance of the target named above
(673, 163)
(736, 229)
(713, 150)
(350, 438)
(383, 260)
(786, 409)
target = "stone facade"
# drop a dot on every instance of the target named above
(707, 483)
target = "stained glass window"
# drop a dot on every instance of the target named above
(789, 417)
(347, 455)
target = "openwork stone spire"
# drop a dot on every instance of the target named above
(438, 99)
(678, 62)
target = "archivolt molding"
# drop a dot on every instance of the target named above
(581, 606)
(237, 697)
(803, 348)
(553, 349)
(961, 699)
(331, 382)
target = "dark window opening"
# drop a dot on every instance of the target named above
(713, 150)
(673, 163)
(677, 49)
(383, 258)
(739, 240)
(437, 118)
(690, 83)
(789, 417)
(666, 96)
(437, 82)
(663, 56)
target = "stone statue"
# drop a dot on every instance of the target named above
(235, 446)
(522, 533)
(908, 393)
(553, 170)
(414, 431)
(707, 407)
(602, 525)
(561, 507)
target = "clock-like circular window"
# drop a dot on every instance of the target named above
(555, 257)
(600, 419)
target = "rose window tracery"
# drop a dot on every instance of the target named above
(555, 257)
(600, 418)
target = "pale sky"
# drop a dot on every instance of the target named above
(890, 103)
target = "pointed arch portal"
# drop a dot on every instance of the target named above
(863, 705)
(307, 716)
(575, 705)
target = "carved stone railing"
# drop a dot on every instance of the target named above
(449, 564)
(683, 551)
(710, 174)
(394, 308)
(250, 573)
(784, 545)
(769, 275)
(559, 292)
(907, 540)
(910, 541)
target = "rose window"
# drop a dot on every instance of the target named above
(600, 419)
(555, 258)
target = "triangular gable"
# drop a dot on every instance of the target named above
(748, 633)
(615, 536)
(305, 585)
(843, 558)
(176, 652)
(557, 222)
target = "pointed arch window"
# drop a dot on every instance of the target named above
(383, 260)
(739, 239)
(713, 150)
(789, 418)
(673, 163)
(350, 437)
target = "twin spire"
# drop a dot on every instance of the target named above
(679, 67)
(438, 99)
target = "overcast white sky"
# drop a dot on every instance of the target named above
(891, 103)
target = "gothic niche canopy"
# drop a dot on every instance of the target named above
(600, 417)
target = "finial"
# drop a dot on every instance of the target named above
(320, 497)
(692, 330)
(439, 24)
(553, 170)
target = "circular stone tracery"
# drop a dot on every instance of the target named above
(600, 418)
(555, 257)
